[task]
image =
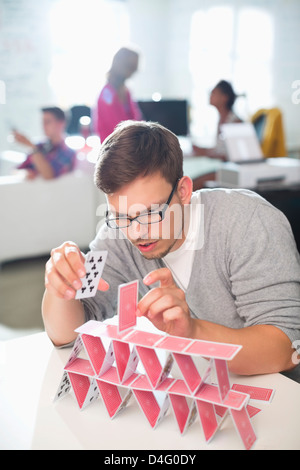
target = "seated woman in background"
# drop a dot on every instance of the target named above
(222, 97)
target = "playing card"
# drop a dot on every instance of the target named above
(210, 393)
(63, 388)
(125, 399)
(165, 385)
(151, 364)
(174, 343)
(256, 393)
(220, 410)
(206, 377)
(80, 385)
(89, 327)
(163, 403)
(122, 353)
(77, 348)
(111, 376)
(144, 338)
(167, 367)
(182, 411)
(189, 371)
(141, 383)
(108, 360)
(95, 351)
(112, 397)
(212, 349)
(127, 305)
(92, 394)
(126, 360)
(252, 410)
(150, 407)
(109, 331)
(222, 377)
(156, 373)
(244, 427)
(179, 387)
(130, 366)
(130, 380)
(148, 404)
(192, 416)
(208, 419)
(81, 366)
(94, 264)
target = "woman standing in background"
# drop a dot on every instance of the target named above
(115, 103)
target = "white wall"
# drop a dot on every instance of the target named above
(25, 62)
(161, 29)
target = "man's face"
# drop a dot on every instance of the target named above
(53, 128)
(218, 98)
(145, 195)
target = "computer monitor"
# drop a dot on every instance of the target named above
(172, 114)
(76, 112)
(241, 143)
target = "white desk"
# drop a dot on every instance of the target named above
(31, 369)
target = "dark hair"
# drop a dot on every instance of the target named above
(124, 52)
(57, 112)
(226, 89)
(137, 148)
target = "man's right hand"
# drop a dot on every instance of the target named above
(64, 270)
(22, 139)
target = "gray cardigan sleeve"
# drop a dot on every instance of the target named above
(265, 273)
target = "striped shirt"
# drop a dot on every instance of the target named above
(60, 156)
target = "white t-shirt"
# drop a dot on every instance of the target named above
(180, 261)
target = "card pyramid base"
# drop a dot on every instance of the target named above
(118, 367)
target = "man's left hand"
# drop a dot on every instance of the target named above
(166, 306)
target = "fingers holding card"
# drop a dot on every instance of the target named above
(94, 265)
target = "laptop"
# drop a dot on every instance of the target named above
(242, 144)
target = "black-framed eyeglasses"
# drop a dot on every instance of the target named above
(151, 217)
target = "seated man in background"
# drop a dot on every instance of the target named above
(51, 158)
(226, 260)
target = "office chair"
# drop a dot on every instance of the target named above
(75, 113)
(268, 124)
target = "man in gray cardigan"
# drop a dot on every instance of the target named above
(218, 265)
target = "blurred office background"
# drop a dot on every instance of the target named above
(58, 52)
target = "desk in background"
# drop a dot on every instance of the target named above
(201, 170)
